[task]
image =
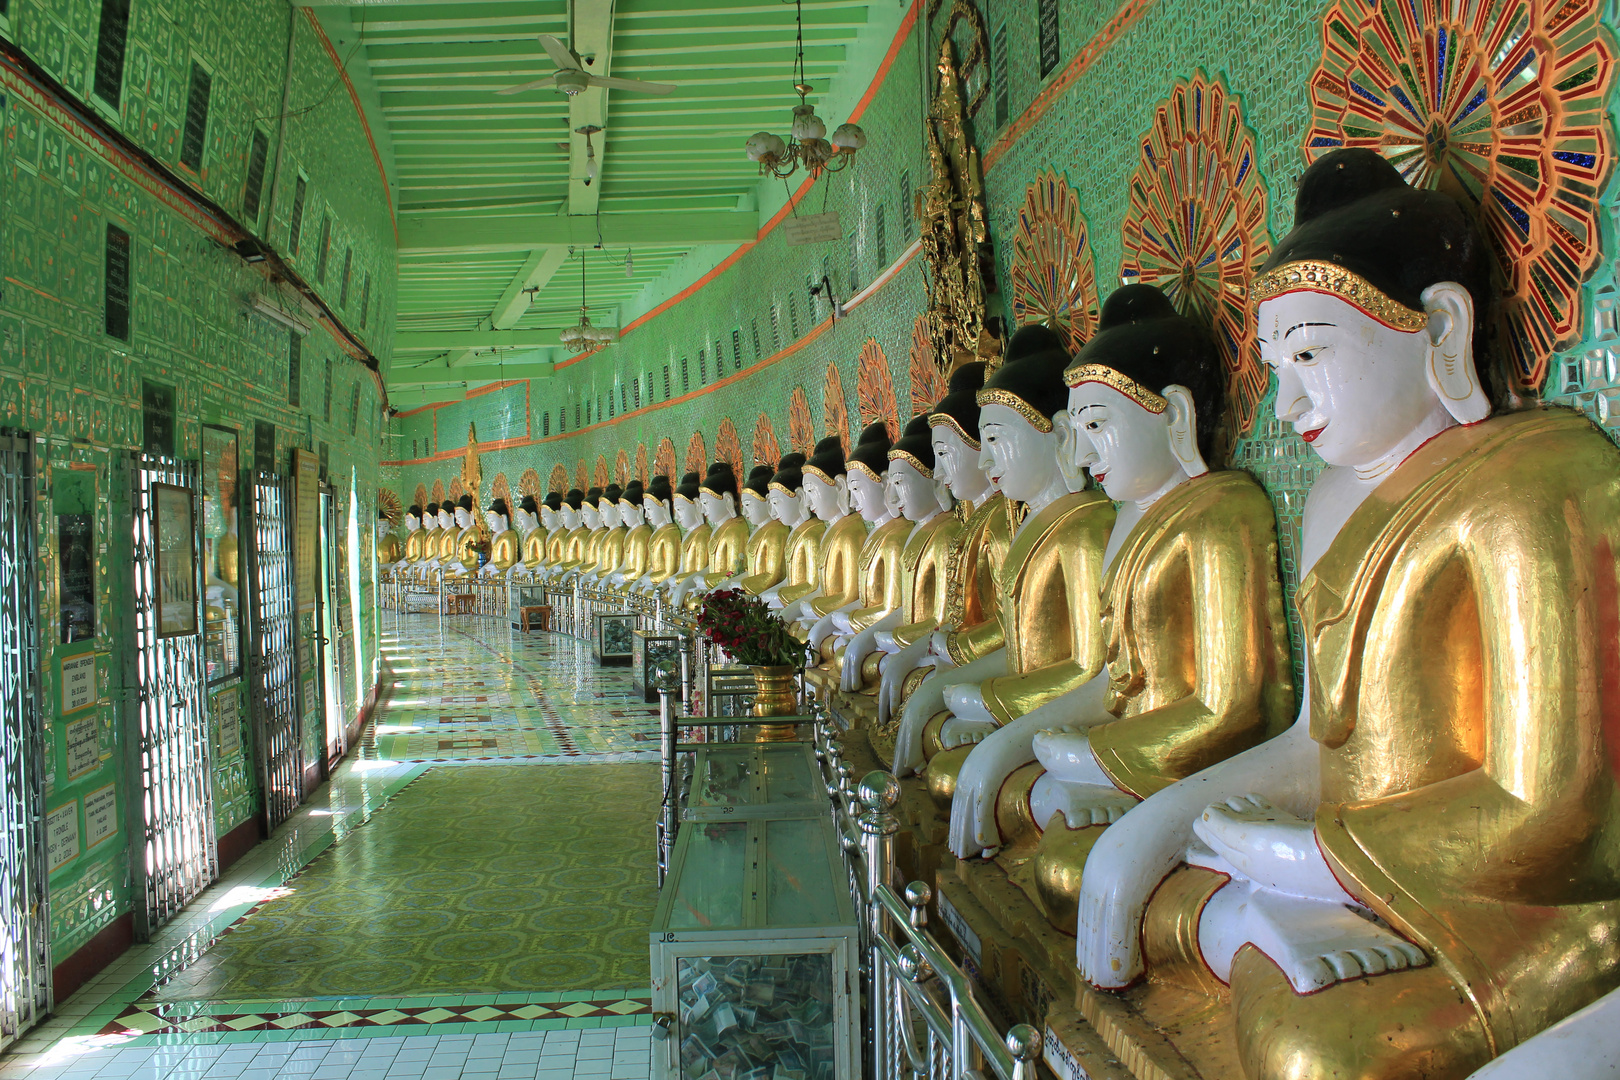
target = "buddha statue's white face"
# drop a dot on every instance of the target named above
(866, 496)
(496, 522)
(657, 511)
(525, 522)
(956, 463)
(608, 513)
(911, 494)
(412, 523)
(570, 516)
(787, 507)
(754, 508)
(688, 514)
(549, 517)
(446, 519)
(717, 508)
(826, 499)
(1019, 460)
(464, 518)
(591, 516)
(1355, 389)
(384, 527)
(630, 514)
(1125, 447)
(430, 522)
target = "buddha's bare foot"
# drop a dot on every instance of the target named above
(1270, 847)
(1317, 944)
(1082, 805)
(960, 731)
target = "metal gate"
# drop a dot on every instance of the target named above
(273, 655)
(332, 640)
(175, 781)
(25, 962)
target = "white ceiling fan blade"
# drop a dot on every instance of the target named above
(610, 83)
(537, 84)
(559, 53)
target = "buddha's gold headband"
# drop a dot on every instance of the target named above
(998, 396)
(818, 472)
(1107, 376)
(911, 459)
(1314, 275)
(777, 485)
(945, 419)
(863, 468)
(684, 498)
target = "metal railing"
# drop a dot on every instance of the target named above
(923, 1017)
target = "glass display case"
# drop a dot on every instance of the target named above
(754, 943)
(655, 659)
(749, 780)
(614, 639)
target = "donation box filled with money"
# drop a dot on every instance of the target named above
(755, 948)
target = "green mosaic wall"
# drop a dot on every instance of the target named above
(80, 391)
(1091, 133)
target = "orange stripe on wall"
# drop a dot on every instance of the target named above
(337, 62)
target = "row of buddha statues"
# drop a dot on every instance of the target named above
(1062, 618)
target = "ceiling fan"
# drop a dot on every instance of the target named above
(571, 77)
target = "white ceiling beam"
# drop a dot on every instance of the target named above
(537, 270)
(592, 23)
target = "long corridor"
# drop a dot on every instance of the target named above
(468, 896)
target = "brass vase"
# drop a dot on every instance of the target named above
(775, 695)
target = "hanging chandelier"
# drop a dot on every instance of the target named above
(582, 336)
(807, 143)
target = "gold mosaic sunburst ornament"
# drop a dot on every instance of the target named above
(874, 389)
(621, 467)
(559, 479)
(529, 484)
(1054, 281)
(728, 448)
(928, 382)
(1197, 226)
(697, 455)
(641, 464)
(600, 477)
(388, 505)
(767, 451)
(664, 460)
(1501, 106)
(835, 408)
(801, 429)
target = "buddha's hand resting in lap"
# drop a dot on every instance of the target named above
(1270, 847)
(970, 720)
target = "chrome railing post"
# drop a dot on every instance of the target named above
(879, 792)
(1024, 1043)
(671, 806)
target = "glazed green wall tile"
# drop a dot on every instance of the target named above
(80, 391)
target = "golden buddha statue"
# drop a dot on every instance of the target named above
(465, 550)
(505, 547)
(694, 534)
(1050, 581)
(801, 551)
(1420, 873)
(415, 538)
(634, 563)
(970, 626)
(578, 535)
(444, 539)
(590, 515)
(610, 548)
(562, 524)
(1197, 646)
(837, 582)
(387, 551)
(664, 546)
(877, 572)
(534, 534)
(920, 576)
(764, 561)
(728, 533)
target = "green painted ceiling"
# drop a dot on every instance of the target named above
(490, 189)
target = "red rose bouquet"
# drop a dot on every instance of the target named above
(746, 628)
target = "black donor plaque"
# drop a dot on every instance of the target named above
(264, 446)
(1047, 16)
(157, 410)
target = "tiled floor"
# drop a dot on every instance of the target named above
(286, 968)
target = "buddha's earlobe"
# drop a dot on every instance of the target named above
(1183, 431)
(1068, 456)
(1451, 371)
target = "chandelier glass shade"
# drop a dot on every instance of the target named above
(807, 144)
(582, 336)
